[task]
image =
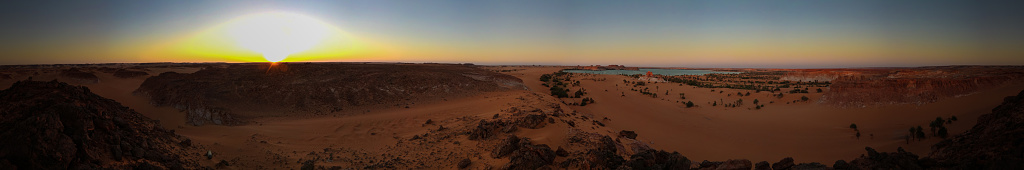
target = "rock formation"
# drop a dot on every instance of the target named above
(217, 94)
(79, 76)
(915, 86)
(996, 142)
(53, 125)
(124, 73)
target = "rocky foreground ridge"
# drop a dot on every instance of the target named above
(218, 95)
(53, 125)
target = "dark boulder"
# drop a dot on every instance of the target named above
(841, 164)
(465, 163)
(783, 164)
(735, 164)
(627, 134)
(651, 159)
(533, 121)
(530, 156)
(763, 165)
(811, 166)
(709, 165)
(561, 152)
(507, 146)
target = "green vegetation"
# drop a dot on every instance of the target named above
(559, 92)
(545, 77)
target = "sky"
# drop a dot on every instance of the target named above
(682, 33)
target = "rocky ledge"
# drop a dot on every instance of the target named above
(53, 125)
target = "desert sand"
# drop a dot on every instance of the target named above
(432, 134)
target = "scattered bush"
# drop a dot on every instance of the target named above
(943, 133)
(804, 98)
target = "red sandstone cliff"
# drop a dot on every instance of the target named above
(916, 86)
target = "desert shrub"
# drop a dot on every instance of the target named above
(545, 77)
(804, 98)
(853, 126)
(943, 133)
(559, 92)
(920, 133)
(689, 104)
(755, 101)
(819, 90)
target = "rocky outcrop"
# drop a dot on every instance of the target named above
(230, 90)
(996, 142)
(915, 86)
(79, 76)
(530, 156)
(627, 134)
(523, 154)
(783, 164)
(883, 160)
(763, 165)
(53, 125)
(123, 73)
(651, 159)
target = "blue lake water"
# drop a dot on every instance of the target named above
(667, 72)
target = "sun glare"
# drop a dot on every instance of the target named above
(276, 35)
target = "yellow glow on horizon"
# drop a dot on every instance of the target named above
(277, 34)
(263, 37)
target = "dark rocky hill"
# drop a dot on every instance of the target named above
(996, 142)
(53, 125)
(219, 95)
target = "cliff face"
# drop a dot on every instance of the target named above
(216, 94)
(996, 142)
(914, 86)
(53, 125)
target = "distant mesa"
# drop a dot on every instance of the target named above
(914, 85)
(609, 67)
(125, 73)
(79, 76)
(53, 125)
(228, 94)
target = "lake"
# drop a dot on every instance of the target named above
(666, 72)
